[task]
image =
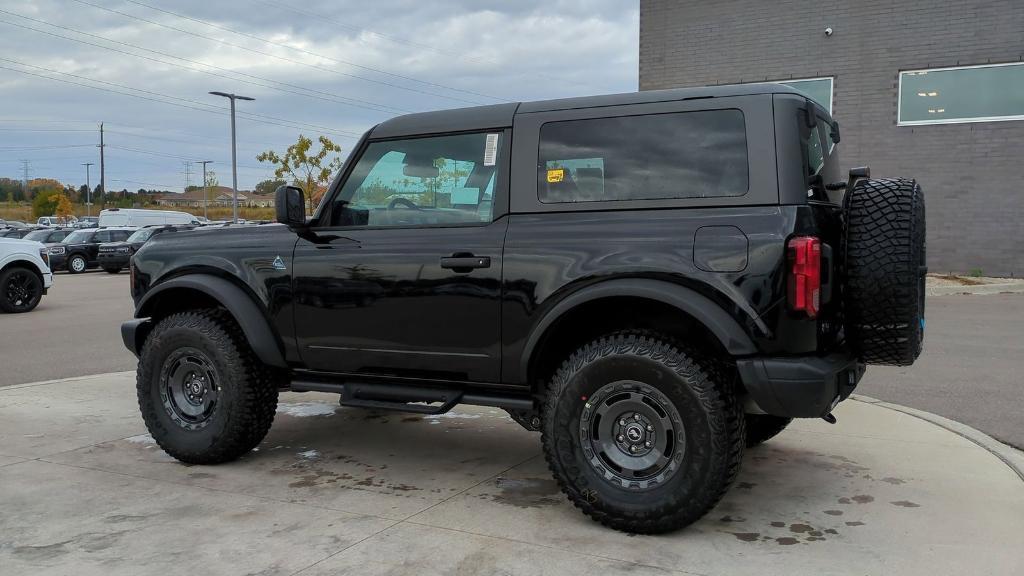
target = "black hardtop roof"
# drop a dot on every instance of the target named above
(501, 115)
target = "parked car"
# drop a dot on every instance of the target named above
(654, 281)
(115, 256)
(12, 224)
(55, 221)
(17, 232)
(24, 274)
(88, 222)
(49, 235)
(138, 217)
(79, 251)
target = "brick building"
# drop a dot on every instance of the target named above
(932, 89)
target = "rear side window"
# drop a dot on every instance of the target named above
(658, 156)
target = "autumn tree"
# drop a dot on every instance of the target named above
(270, 185)
(311, 172)
(64, 208)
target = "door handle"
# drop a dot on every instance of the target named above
(465, 263)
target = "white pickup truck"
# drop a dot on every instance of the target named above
(24, 274)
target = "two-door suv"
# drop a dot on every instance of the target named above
(653, 280)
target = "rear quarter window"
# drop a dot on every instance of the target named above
(700, 154)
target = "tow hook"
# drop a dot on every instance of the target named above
(829, 418)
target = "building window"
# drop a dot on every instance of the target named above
(817, 89)
(988, 93)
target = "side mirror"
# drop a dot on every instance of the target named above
(290, 204)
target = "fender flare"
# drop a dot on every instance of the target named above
(247, 313)
(725, 328)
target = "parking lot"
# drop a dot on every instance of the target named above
(343, 490)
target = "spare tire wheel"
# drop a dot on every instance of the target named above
(884, 248)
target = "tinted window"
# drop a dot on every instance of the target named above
(119, 235)
(680, 155)
(141, 235)
(102, 236)
(79, 237)
(421, 181)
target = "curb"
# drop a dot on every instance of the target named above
(981, 289)
(61, 380)
(1009, 455)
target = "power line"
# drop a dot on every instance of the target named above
(52, 147)
(326, 96)
(269, 55)
(311, 53)
(164, 99)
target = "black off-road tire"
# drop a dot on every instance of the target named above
(246, 396)
(884, 289)
(702, 391)
(764, 427)
(21, 290)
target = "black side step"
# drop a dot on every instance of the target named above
(384, 396)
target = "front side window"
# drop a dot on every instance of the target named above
(141, 235)
(658, 156)
(440, 180)
(102, 236)
(966, 94)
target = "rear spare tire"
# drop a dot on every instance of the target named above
(884, 247)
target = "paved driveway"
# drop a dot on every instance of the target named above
(345, 491)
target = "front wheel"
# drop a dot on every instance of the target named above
(204, 396)
(20, 290)
(77, 264)
(643, 434)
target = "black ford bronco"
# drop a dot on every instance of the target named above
(654, 281)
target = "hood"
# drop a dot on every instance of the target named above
(19, 245)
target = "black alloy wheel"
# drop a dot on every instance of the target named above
(21, 290)
(189, 387)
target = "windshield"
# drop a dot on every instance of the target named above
(78, 237)
(38, 235)
(141, 235)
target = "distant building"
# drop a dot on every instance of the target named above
(216, 196)
(930, 89)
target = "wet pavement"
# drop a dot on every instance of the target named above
(338, 490)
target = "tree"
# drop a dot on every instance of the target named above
(44, 204)
(269, 186)
(45, 186)
(306, 171)
(64, 208)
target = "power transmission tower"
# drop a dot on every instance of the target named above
(24, 182)
(206, 191)
(187, 166)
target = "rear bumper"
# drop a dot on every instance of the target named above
(113, 259)
(133, 333)
(800, 387)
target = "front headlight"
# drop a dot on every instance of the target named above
(45, 255)
(56, 249)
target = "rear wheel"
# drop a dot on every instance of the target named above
(21, 289)
(764, 427)
(77, 264)
(643, 434)
(204, 395)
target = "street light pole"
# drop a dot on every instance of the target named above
(206, 192)
(88, 190)
(234, 164)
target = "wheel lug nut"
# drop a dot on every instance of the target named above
(647, 444)
(636, 416)
(650, 428)
(622, 422)
(632, 448)
(620, 438)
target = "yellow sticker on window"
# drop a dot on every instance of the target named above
(556, 175)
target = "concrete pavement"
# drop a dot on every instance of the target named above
(334, 490)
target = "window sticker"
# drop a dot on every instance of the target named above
(555, 175)
(491, 149)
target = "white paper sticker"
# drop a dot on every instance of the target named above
(491, 149)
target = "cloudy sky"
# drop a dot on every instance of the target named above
(144, 67)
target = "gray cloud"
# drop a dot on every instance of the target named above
(483, 51)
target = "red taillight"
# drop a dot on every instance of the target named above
(805, 274)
